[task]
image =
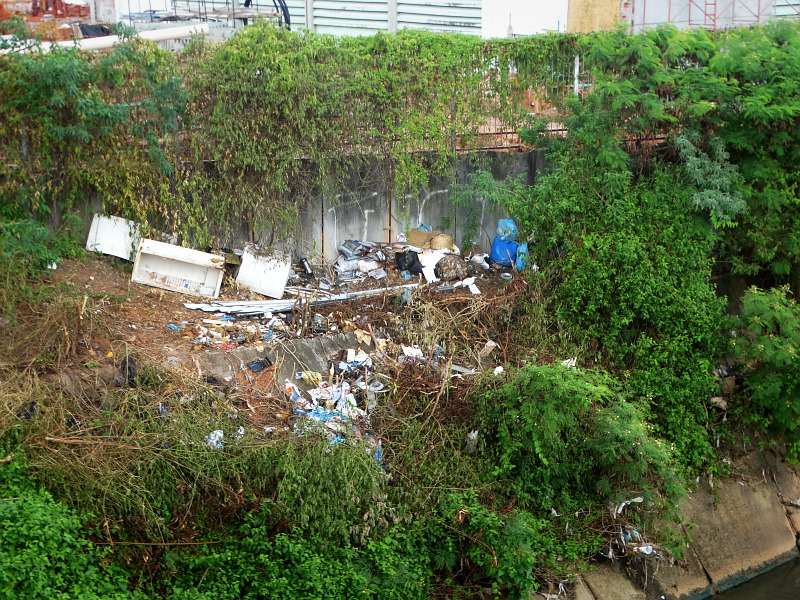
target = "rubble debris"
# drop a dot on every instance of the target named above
(178, 269)
(451, 267)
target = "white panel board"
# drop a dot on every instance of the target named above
(440, 15)
(264, 273)
(114, 236)
(178, 269)
(364, 17)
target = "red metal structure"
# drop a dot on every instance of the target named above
(709, 14)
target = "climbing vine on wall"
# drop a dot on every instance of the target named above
(264, 122)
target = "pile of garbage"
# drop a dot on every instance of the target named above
(337, 405)
(423, 255)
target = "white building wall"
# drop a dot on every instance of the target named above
(364, 17)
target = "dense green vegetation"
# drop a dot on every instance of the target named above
(679, 165)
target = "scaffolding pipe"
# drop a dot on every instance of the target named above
(108, 41)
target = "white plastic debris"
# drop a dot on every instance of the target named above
(498, 370)
(487, 348)
(618, 510)
(413, 352)
(570, 362)
(472, 442)
(365, 266)
(214, 439)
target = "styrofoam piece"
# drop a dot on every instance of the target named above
(114, 236)
(178, 269)
(265, 274)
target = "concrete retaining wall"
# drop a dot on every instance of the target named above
(743, 528)
(371, 212)
(375, 214)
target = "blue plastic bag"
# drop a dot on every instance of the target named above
(503, 252)
(506, 230)
(522, 261)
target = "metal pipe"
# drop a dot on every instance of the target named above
(108, 41)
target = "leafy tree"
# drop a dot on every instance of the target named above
(768, 345)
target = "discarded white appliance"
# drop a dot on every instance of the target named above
(178, 269)
(265, 274)
(114, 236)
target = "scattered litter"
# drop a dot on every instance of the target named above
(618, 510)
(451, 267)
(487, 349)
(498, 370)
(719, 402)
(472, 442)
(570, 362)
(28, 411)
(481, 259)
(311, 377)
(504, 246)
(259, 365)
(366, 266)
(522, 261)
(128, 368)
(173, 327)
(214, 439)
(413, 352)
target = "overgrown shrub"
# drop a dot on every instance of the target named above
(43, 547)
(767, 345)
(253, 563)
(629, 261)
(563, 439)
